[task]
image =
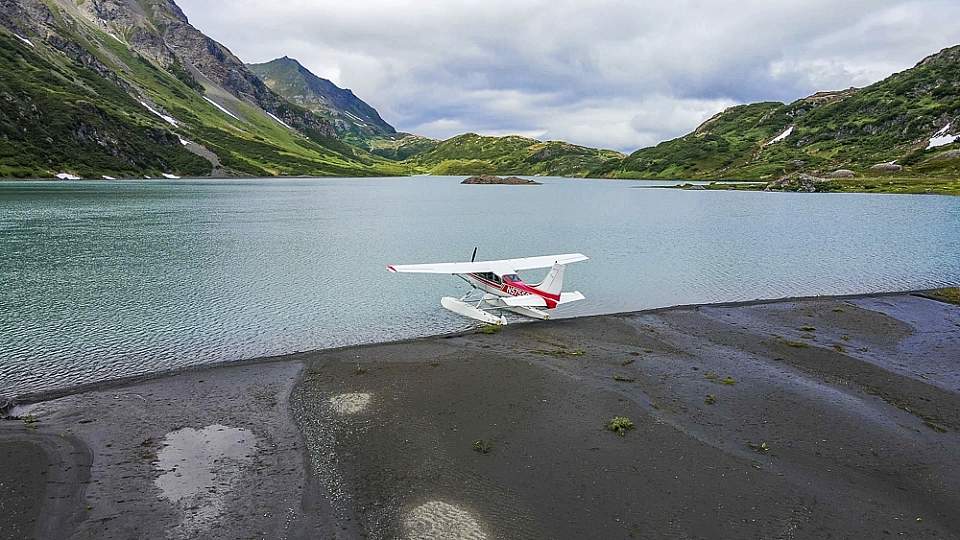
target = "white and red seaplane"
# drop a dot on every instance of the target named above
(497, 287)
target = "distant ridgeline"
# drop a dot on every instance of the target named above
(908, 123)
(128, 88)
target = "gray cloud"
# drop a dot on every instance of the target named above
(610, 73)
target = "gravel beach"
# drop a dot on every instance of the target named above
(804, 418)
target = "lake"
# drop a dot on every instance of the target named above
(100, 280)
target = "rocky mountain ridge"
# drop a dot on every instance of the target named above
(137, 67)
(902, 124)
(129, 88)
(349, 114)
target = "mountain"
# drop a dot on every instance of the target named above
(350, 115)
(129, 87)
(475, 154)
(910, 118)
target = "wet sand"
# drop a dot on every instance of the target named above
(811, 418)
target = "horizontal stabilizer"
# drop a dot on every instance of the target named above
(567, 297)
(529, 300)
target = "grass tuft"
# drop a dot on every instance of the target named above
(620, 425)
(482, 446)
(760, 448)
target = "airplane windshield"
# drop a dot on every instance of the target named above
(511, 277)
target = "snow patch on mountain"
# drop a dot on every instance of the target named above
(221, 107)
(942, 137)
(284, 124)
(781, 136)
(168, 119)
(23, 39)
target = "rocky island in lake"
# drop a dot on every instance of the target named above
(509, 180)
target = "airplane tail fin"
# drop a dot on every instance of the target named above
(553, 283)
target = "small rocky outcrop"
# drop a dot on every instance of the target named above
(797, 182)
(842, 173)
(890, 167)
(510, 180)
(949, 154)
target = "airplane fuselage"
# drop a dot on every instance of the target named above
(509, 286)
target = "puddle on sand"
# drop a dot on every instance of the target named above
(349, 403)
(199, 467)
(437, 520)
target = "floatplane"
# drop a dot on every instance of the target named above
(496, 287)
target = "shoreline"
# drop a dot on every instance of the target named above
(294, 356)
(808, 417)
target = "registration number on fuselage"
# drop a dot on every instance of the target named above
(514, 291)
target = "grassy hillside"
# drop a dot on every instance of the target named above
(400, 146)
(78, 102)
(892, 120)
(476, 154)
(57, 117)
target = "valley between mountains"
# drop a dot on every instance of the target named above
(129, 88)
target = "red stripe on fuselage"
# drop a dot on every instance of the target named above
(519, 288)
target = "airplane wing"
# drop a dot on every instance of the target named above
(526, 263)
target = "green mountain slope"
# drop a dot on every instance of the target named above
(119, 73)
(892, 120)
(400, 146)
(57, 117)
(475, 154)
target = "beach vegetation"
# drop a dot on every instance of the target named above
(950, 295)
(628, 361)
(760, 448)
(620, 425)
(795, 344)
(482, 446)
(713, 377)
(807, 329)
(148, 449)
(490, 329)
(710, 399)
(30, 421)
(622, 378)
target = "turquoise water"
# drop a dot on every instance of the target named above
(101, 280)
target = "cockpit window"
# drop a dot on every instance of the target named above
(511, 278)
(489, 276)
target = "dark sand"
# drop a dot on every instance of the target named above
(839, 418)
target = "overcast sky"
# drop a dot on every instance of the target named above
(608, 73)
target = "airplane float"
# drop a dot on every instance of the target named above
(495, 286)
